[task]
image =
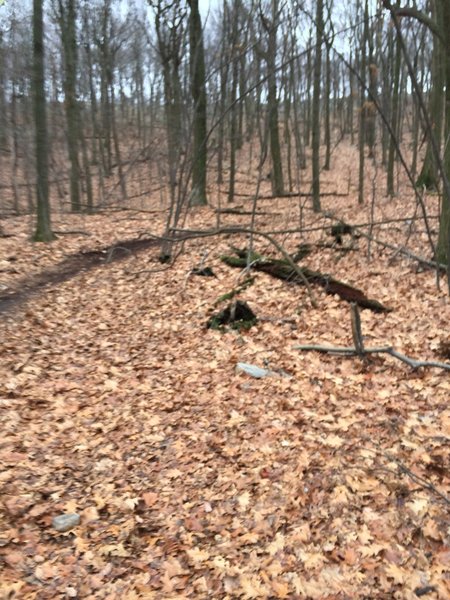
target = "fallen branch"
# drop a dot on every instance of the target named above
(290, 195)
(302, 194)
(237, 211)
(351, 351)
(359, 350)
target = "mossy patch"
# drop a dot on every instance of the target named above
(237, 315)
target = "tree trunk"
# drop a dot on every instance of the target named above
(316, 109)
(14, 148)
(419, 67)
(394, 120)
(429, 176)
(169, 25)
(272, 106)
(122, 180)
(370, 106)
(3, 102)
(224, 70)
(87, 175)
(67, 21)
(362, 111)
(327, 94)
(443, 247)
(233, 107)
(43, 232)
(103, 42)
(198, 90)
(350, 106)
(307, 104)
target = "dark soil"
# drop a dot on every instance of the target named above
(70, 267)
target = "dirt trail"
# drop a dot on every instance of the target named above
(70, 267)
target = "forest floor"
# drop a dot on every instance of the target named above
(328, 479)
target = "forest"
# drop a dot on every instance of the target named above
(224, 299)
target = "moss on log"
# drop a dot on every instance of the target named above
(234, 292)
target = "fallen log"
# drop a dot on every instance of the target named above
(290, 195)
(239, 211)
(281, 269)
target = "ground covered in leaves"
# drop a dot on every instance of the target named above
(328, 479)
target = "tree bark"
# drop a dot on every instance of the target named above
(316, 109)
(233, 94)
(443, 247)
(3, 102)
(43, 232)
(429, 175)
(270, 55)
(362, 110)
(67, 21)
(198, 90)
(169, 25)
(394, 120)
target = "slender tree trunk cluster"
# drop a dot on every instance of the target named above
(257, 87)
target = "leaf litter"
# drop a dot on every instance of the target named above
(193, 479)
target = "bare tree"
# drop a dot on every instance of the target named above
(429, 174)
(170, 31)
(198, 90)
(43, 231)
(270, 26)
(66, 16)
(316, 108)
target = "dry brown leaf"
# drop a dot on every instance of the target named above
(281, 589)
(150, 498)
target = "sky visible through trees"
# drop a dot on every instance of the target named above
(127, 60)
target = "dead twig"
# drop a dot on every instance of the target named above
(421, 481)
